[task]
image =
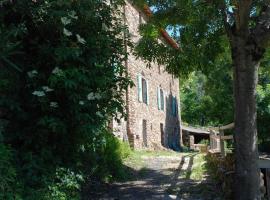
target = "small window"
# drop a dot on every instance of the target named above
(144, 90)
(143, 94)
(160, 99)
(159, 69)
(174, 106)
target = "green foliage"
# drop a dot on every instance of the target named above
(107, 159)
(208, 101)
(62, 78)
(204, 141)
(222, 170)
(8, 180)
(66, 185)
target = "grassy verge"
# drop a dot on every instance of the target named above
(198, 169)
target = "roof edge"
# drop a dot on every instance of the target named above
(147, 11)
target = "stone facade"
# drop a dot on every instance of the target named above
(147, 125)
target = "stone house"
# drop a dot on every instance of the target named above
(152, 105)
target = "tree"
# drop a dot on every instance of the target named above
(61, 79)
(205, 29)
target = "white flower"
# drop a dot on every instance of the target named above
(72, 14)
(32, 73)
(39, 93)
(65, 20)
(98, 96)
(57, 71)
(53, 104)
(67, 32)
(80, 39)
(90, 96)
(81, 103)
(93, 96)
(99, 114)
(47, 89)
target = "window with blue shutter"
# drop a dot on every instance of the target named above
(139, 86)
(158, 98)
(161, 99)
(147, 93)
(143, 93)
(144, 90)
(174, 106)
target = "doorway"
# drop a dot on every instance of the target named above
(162, 135)
(144, 133)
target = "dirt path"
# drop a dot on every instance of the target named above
(162, 177)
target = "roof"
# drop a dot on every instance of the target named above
(195, 130)
(147, 11)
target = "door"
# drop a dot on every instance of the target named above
(162, 135)
(144, 133)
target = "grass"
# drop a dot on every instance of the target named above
(198, 169)
(136, 161)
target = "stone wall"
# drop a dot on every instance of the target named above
(139, 111)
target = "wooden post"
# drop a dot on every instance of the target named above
(222, 146)
(191, 142)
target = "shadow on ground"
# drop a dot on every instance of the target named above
(162, 178)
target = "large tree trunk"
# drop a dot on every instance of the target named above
(245, 80)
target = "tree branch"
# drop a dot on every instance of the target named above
(242, 15)
(261, 32)
(227, 26)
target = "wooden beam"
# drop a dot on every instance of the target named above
(227, 137)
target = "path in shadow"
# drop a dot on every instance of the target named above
(161, 178)
(187, 189)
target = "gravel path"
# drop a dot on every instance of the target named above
(161, 179)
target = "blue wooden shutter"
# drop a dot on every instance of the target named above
(139, 85)
(173, 106)
(158, 97)
(147, 92)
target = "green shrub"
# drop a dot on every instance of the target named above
(8, 184)
(204, 141)
(66, 185)
(110, 156)
(222, 170)
(62, 78)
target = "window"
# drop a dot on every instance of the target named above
(160, 98)
(143, 90)
(144, 132)
(162, 135)
(174, 106)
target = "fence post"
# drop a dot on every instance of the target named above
(222, 146)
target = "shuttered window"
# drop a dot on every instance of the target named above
(174, 106)
(139, 86)
(160, 99)
(143, 91)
